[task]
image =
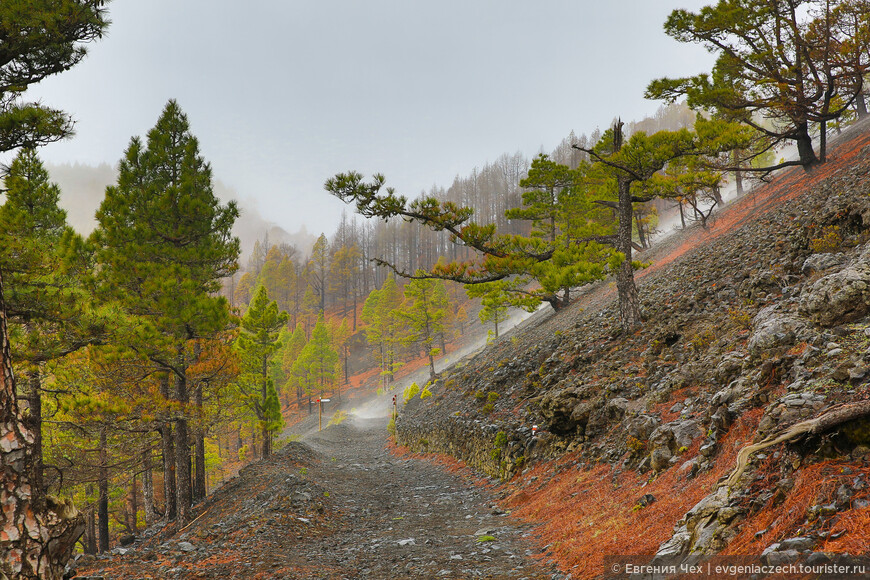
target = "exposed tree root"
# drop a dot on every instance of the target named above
(836, 415)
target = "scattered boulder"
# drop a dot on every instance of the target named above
(840, 297)
(821, 262)
(773, 329)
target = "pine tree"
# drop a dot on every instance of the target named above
(494, 308)
(37, 39)
(50, 312)
(341, 335)
(382, 331)
(291, 352)
(780, 66)
(318, 267)
(315, 368)
(164, 246)
(424, 312)
(257, 342)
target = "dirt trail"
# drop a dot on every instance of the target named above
(339, 505)
(409, 518)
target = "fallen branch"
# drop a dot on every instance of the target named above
(836, 415)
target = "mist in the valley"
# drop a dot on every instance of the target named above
(84, 186)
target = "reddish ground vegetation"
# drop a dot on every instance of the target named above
(814, 485)
(590, 513)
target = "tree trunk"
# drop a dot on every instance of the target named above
(37, 533)
(823, 140)
(147, 485)
(805, 146)
(682, 215)
(641, 235)
(34, 400)
(168, 449)
(134, 506)
(182, 448)
(738, 175)
(103, 491)
(861, 105)
(199, 487)
(629, 304)
(91, 529)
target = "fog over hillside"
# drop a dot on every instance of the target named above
(83, 188)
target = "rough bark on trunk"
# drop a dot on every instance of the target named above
(37, 532)
(805, 146)
(629, 303)
(34, 421)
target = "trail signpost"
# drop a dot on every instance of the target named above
(320, 412)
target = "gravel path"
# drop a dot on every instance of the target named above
(408, 518)
(338, 505)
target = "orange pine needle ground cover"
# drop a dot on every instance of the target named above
(585, 515)
(814, 485)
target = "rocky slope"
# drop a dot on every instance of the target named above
(752, 326)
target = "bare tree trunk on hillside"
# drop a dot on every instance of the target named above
(37, 533)
(738, 175)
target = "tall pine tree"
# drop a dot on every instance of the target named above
(165, 244)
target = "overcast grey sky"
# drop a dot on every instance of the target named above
(284, 94)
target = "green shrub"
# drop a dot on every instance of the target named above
(426, 393)
(410, 392)
(337, 418)
(492, 397)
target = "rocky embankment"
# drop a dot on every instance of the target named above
(753, 326)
